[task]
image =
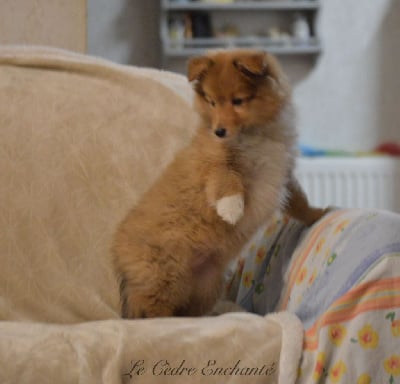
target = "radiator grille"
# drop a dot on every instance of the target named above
(370, 182)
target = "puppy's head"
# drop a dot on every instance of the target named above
(237, 90)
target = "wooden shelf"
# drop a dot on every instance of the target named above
(189, 47)
(273, 5)
(262, 16)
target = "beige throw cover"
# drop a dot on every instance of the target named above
(80, 140)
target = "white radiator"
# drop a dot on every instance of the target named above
(365, 182)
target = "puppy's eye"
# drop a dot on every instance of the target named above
(211, 102)
(237, 101)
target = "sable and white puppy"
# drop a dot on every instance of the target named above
(171, 250)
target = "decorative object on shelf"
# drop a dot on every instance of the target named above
(389, 148)
(278, 36)
(228, 30)
(177, 30)
(201, 24)
(301, 29)
(184, 27)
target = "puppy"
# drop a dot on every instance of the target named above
(172, 249)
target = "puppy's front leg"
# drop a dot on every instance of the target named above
(225, 192)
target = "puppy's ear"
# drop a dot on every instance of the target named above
(260, 66)
(253, 64)
(198, 67)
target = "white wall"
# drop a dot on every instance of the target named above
(56, 23)
(351, 99)
(124, 31)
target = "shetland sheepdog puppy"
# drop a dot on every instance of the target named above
(172, 249)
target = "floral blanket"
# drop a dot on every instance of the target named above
(342, 279)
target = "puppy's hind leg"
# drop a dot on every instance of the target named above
(136, 304)
(150, 290)
(298, 206)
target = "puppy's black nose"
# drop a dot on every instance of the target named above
(220, 132)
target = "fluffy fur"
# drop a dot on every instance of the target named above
(171, 250)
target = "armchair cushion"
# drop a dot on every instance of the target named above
(80, 140)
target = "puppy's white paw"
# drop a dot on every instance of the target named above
(231, 208)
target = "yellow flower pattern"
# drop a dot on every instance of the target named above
(260, 255)
(341, 226)
(337, 333)
(364, 379)
(271, 229)
(392, 365)
(302, 275)
(395, 328)
(319, 366)
(337, 371)
(368, 337)
(247, 279)
(312, 277)
(320, 245)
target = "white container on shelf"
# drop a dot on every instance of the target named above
(301, 29)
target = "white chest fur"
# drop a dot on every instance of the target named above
(267, 163)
